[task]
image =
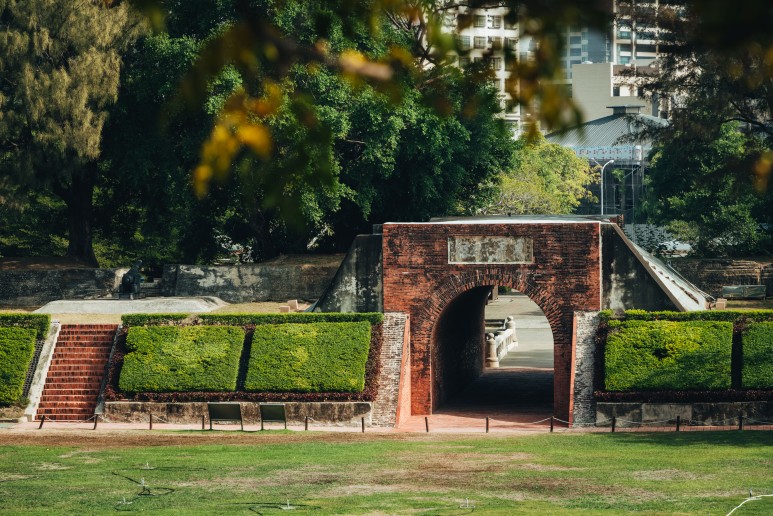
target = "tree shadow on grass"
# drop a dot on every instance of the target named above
(697, 438)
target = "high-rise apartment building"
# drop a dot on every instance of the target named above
(629, 41)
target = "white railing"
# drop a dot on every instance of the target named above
(499, 343)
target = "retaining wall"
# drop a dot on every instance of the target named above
(287, 277)
(22, 288)
(327, 413)
(712, 275)
(718, 413)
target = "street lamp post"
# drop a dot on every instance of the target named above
(602, 181)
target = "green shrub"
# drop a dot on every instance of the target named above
(179, 359)
(17, 347)
(668, 355)
(133, 320)
(282, 318)
(705, 315)
(311, 357)
(38, 322)
(758, 356)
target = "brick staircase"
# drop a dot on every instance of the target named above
(75, 374)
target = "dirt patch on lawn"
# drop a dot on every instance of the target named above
(664, 474)
(105, 439)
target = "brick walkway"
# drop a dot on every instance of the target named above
(509, 397)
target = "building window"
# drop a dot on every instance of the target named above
(464, 61)
(624, 34)
(495, 22)
(624, 60)
(479, 21)
(449, 20)
(511, 24)
(511, 43)
(616, 91)
(575, 62)
(463, 42)
(495, 63)
(510, 63)
(495, 42)
(477, 59)
(575, 40)
(575, 52)
(480, 42)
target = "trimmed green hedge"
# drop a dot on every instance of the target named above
(705, 315)
(180, 359)
(133, 320)
(17, 347)
(758, 356)
(310, 357)
(668, 355)
(284, 318)
(38, 322)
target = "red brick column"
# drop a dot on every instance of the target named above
(563, 278)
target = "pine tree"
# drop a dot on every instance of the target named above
(60, 64)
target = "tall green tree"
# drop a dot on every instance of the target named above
(546, 178)
(703, 187)
(342, 156)
(60, 61)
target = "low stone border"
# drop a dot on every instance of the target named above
(326, 413)
(700, 413)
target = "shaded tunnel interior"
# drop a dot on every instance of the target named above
(457, 344)
(460, 380)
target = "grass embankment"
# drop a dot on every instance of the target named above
(695, 473)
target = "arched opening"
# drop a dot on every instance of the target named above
(520, 387)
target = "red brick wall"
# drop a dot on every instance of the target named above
(564, 277)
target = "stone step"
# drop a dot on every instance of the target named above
(94, 392)
(75, 375)
(84, 336)
(85, 359)
(65, 403)
(75, 357)
(72, 386)
(65, 413)
(76, 366)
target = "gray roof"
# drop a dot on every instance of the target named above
(601, 138)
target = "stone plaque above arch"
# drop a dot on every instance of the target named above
(490, 250)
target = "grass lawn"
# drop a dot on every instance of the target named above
(238, 473)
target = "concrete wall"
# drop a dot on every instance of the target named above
(356, 286)
(711, 275)
(586, 325)
(720, 413)
(626, 283)
(326, 413)
(22, 288)
(288, 277)
(592, 91)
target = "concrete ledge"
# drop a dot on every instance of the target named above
(704, 413)
(327, 413)
(41, 372)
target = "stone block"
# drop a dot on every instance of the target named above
(666, 411)
(622, 411)
(284, 309)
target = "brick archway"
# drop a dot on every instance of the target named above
(455, 286)
(421, 278)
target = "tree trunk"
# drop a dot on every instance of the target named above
(80, 207)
